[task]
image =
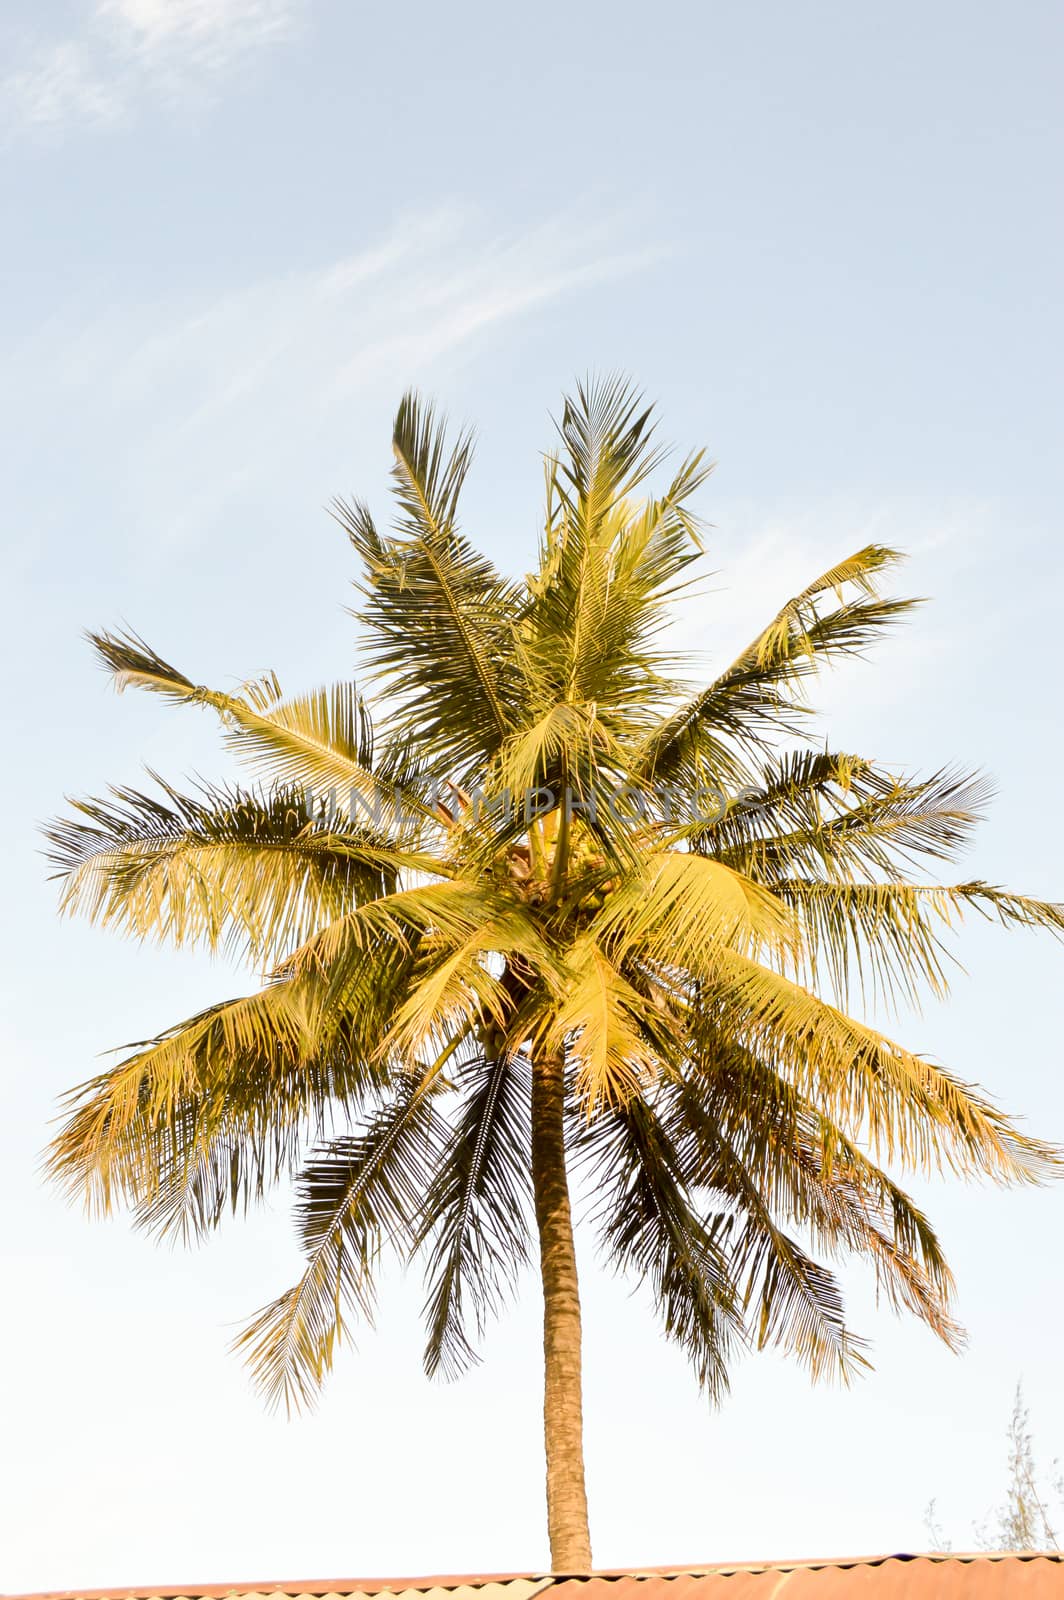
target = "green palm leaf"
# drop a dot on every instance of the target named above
(440, 621)
(758, 697)
(650, 1227)
(475, 1213)
(253, 874)
(355, 1195)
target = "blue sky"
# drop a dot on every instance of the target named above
(827, 238)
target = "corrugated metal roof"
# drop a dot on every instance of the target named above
(1020, 1576)
(1017, 1577)
(506, 1587)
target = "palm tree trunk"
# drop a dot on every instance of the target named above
(563, 1428)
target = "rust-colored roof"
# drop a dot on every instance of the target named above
(1019, 1576)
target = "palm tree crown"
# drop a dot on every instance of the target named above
(556, 914)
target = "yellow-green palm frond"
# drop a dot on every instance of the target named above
(134, 664)
(601, 1021)
(475, 1214)
(848, 1202)
(608, 448)
(562, 777)
(758, 697)
(791, 633)
(207, 1115)
(906, 1107)
(650, 1226)
(772, 1291)
(682, 907)
(252, 1069)
(357, 1194)
(256, 874)
(439, 620)
(785, 1297)
(879, 939)
(790, 1300)
(597, 641)
(609, 565)
(1000, 905)
(883, 938)
(761, 1144)
(659, 541)
(565, 742)
(460, 984)
(840, 817)
(435, 919)
(322, 741)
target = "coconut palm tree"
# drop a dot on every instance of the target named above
(556, 920)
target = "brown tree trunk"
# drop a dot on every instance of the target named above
(570, 1542)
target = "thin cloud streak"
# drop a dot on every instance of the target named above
(128, 54)
(198, 398)
(59, 85)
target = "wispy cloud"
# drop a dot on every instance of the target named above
(58, 85)
(124, 53)
(190, 402)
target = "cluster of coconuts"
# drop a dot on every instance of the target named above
(584, 858)
(492, 1039)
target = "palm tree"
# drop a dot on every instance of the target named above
(558, 917)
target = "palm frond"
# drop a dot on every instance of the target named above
(907, 1107)
(774, 1155)
(321, 741)
(650, 1227)
(608, 566)
(607, 435)
(215, 1107)
(884, 934)
(793, 1301)
(757, 698)
(439, 619)
(454, 986)
(432, 920)
(134, 664)
(682, 907)
(256, 874)
(475, 1212)
(841, 818)
(356, 1195)
(601, 1023)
